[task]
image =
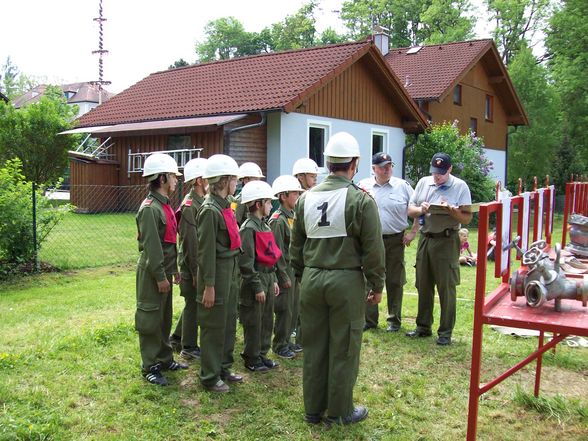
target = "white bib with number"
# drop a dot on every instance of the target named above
(324, 213)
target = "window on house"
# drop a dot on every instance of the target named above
(474, 125)
(317, 139)
(457, 95)
(378, 142)
(489, 113)
(176, 142)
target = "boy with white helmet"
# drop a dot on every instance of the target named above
(156, 268)
(306, 171)
(248, 172)
(186, 332)
(287, 189)
(218, 248)
(336, 245)
(258, 279)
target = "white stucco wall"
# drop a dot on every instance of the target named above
(498, 158)
(287, 139)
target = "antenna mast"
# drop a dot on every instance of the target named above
(101, 51)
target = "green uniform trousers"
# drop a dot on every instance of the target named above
(213, 322)
(257, 319)
(231, 306)
(283, 305)
(295, 325)
(187, 326)
(395, 280)
(332, 310)
(153, 319)
(437, 264)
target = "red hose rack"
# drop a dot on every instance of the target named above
(497, 308)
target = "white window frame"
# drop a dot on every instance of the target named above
(317, 124)
(385, 143)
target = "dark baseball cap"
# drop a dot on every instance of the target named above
(440, 163)
(381, 159)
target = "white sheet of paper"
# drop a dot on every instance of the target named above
(541, 192)
(552, 205)
(505, 234)
(526, 210)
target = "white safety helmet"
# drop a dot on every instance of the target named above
(250, 170)
(194, 168)
(255, 190)
(159, 163)
(220, 165)
(286, 183)
(305, 165)
(342, 147)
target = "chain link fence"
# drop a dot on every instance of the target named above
(98, 226)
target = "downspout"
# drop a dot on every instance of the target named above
(404, 155)
(229, 132)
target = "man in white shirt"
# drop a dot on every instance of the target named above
(391, 195)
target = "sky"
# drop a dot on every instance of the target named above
(53, 41)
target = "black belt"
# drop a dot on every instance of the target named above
(265, 269)
(389, 236)
(445, 233)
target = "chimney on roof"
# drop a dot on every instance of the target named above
(382, 39)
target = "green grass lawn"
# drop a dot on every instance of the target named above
(69, 370)
(91, 240)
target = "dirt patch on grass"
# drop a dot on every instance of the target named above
(222, 418)
(554, 381)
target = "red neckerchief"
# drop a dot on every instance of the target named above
(171, 225)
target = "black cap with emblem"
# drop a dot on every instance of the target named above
(440, 163)
(381, 159)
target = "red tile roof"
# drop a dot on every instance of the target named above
(428, 73)
(241, 85)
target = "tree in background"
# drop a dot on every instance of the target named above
(410, 22)
(468, 158)
(12, 82)
(401, 18)
(227, 38)
(567, 43)
(445, 21)
(296, 31)
(31, 134)
(532, 149)
(179, 63)
(516, 23)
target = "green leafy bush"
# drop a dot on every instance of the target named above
(467, 155)
(16, 218)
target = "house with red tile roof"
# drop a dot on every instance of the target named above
(84, 95)
(464, 82)
(271, 109)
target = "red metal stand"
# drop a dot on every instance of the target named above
(497, 308)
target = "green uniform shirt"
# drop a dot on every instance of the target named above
(213, 237)
(281, 222)
(361, 247)
(188, 254)
(157, 256)
(247, 262)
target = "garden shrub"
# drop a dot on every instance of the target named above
(467, 156)
(16, 218)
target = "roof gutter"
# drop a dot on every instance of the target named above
(229, 132)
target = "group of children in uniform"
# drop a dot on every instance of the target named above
(232, 262)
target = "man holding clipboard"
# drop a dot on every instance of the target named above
(441, 203)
